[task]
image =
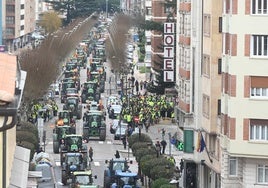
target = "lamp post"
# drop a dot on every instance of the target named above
(106, 8)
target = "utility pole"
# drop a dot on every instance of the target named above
(106, 9)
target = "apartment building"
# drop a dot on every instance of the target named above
(148, 17)
(222, 90)
(14, 160)
(198, 84)
(244, 125)
(159, 14)
(18, 22)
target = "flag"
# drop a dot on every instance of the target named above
(201, 144)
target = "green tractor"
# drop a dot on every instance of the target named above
(73, 162)
(94, 125)
(90, 92)
(83, 179)
(73, 105)
(73, 143)
(59, 134)
(66, 84)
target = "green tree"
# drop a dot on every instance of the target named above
(75, 8)
(138, 145)
(159, 182)
(50, 21)
(27, 136)
(135, 138)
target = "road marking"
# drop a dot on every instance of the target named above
(100, 142)
(97, 163)
(57, 163)
(50, 142)
(109, 142)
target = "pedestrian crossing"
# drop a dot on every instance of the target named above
(100, 142)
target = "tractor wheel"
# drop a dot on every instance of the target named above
(84, 98)
(106, 182)
(102, 135)
(56, 146)
(85, 133)
(63, 178)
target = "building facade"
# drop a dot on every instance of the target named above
(13, 171)
(222, 92)
(18, 22)
(244, 127)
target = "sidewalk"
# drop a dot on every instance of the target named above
(156, 135)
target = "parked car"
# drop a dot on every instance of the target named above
(114, 126)
(120, 133)
(115, 111)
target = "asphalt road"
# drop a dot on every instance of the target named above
(103, 150)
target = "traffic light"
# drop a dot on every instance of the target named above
(179, 145)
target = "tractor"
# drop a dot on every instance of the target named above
(110, 172)
(73, 156)
(72, 162)
(65, 118)
(73, 105)
(64, 86)
(126, 179)
(83, 179)
(59, 134)
(90, 92)
(94, 125)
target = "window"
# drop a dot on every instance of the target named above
(207, 21)
(259, 7)
(22, 6)
(219, 65)
(259, 45)
(10, 20)
(10, 8)
(232, 166)
(219, 107)
(10, 31)
(205, 105)
(206, 65)
(167, 8)
(259, 92)
(262, 174)
(22, 27)
(259, 132)
(259, 87)
(21, 17)
(148, 11)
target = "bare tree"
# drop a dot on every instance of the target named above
(43, 64)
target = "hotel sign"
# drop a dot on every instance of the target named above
(169, 44)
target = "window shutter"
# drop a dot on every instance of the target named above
(188, 141)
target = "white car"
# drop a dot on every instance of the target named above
(115, 111)
(113, 100)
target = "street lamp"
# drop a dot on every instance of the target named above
(106, 8)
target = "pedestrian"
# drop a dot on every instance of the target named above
(117, 155)
(90, 153)
(158, 148)
(124, 142)
(163, 144)
(141, 84)
(137, 86)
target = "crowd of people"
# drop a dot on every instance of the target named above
(146, 110)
